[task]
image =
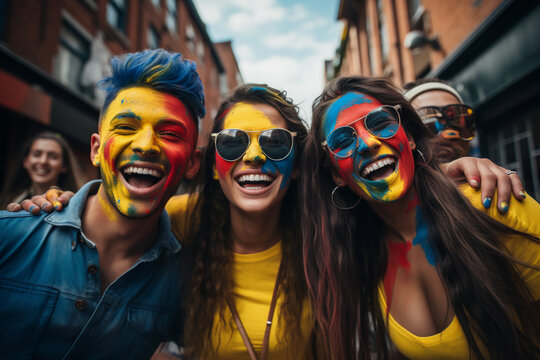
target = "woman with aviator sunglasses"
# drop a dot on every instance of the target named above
(393, 247)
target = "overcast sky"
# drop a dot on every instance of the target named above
(278, 42)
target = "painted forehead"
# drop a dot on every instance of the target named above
(145, 100)
(346, 109)
(249, 118)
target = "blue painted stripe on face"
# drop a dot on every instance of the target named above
(422, 237)
(346, 101)
(285, 168)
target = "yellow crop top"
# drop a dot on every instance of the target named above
(451, 343)
(254, 277)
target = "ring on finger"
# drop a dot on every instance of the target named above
(510, 172)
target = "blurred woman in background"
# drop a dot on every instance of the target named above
(45, 160)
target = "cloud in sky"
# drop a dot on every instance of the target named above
(278, 42)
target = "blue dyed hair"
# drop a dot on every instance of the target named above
(159, 70)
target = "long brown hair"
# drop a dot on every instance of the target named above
(345, 257)
(210, 247)
(19, 180)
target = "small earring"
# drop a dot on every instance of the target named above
(215, 175)
(421, 155)
(342, 207)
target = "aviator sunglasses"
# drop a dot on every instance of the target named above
(459, 117)
(232, 144)
(382, 122)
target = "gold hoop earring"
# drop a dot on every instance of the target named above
(343, 207)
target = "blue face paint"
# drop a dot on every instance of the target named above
(285, 168)
(346, 101)
(422, 237)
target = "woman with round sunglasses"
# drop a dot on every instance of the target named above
(247, 296)
(393, 248)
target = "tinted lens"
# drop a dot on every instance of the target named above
(342, 141)
(232, 143)
(276, 143)
(460, 117)
(382, 122)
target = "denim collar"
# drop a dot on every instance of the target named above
(71, 216)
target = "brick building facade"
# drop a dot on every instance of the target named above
(488, 49)
(52, 53)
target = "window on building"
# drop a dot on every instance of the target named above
(152, 38)
(73, 52)
(171, 16)
(516, 145)
(383, 31)
(156, 3)
(371, 51)
(200, 52)
(190, 37)
(116, 14)
(223, 84)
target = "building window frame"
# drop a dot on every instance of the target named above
(172, 15)
(116, 14)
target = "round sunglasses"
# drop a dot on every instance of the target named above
(458, 117)
(382, 122)
(232, 144)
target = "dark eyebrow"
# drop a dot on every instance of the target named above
(128, 114)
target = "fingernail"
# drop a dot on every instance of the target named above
(522, 194)
(32, 208)
(473, 183)
(504, 206)
(56, 204)
(487, 202)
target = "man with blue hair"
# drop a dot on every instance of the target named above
(101, 279)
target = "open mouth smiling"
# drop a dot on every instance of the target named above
(141, 176)
(378, 169)
(254, 181)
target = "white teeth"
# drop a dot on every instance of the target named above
(377, 165)
(254, 177)
(141, 171)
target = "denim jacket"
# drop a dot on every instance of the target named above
(51, 306)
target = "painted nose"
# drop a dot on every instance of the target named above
(254, 153)
(367, 142)
(145, 142)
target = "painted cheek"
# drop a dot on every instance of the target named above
(107, 155)
(284, 167)
(223, 166)
(178, 158)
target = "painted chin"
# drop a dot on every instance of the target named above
(256, 184)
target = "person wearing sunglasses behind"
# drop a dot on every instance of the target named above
(392, 245)
(442, 110)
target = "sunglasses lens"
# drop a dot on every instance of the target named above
(276, 143)
(342, 141)
(232, 143)
(460, 117)
(383, 122)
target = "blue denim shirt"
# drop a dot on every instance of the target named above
(51, 306)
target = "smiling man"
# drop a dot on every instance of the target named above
(101, 279)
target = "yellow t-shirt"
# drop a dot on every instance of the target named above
(254, 276)
(451, 343)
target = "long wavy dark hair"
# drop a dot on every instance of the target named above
(18, 179)
(345, 255)
(210, 247)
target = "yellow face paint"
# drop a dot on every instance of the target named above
(146, 142)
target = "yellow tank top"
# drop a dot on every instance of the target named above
(451, 343)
